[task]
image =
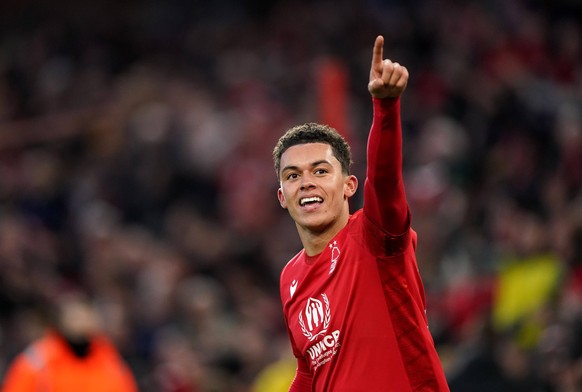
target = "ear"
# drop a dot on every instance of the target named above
(281, 198)
(350, 186)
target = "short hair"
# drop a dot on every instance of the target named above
(314, 133)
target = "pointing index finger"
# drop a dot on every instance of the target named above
(378, 52)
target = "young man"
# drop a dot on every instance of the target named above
(352, 298)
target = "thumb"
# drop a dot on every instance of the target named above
(375, 84)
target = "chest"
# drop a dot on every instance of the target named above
(334, 297)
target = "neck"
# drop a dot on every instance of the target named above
(315, 241)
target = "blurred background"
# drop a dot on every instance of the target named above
(135, 164)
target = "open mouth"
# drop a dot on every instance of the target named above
(310, 200)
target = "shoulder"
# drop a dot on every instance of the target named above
(378, 240)
(294, 262)
(291, 268)
(36, 355)
(103, 343)
(44, 349)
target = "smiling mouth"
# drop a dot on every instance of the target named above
(310, 200)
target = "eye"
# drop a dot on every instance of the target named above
(320, 171)
(291, 176)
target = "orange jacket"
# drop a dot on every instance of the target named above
(48, 365)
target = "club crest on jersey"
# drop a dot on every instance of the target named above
(314, 319)
(335, 254)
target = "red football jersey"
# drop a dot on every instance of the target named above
(356, 312)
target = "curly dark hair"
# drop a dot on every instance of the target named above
(314, 133)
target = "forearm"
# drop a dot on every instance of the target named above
(384, 195)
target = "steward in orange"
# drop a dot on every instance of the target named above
(73, 357)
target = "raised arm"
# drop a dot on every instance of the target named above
(384, 198)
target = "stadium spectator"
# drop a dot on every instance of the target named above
(73, 355)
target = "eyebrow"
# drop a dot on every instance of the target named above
(313, 164)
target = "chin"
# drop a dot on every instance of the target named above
(316, 226)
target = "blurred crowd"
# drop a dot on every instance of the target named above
(135, 165)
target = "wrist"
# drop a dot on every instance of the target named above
(386, 103)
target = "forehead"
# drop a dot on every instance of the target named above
(307, 154)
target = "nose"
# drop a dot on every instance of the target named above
(306, 182)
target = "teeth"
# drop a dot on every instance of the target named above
(310, 200)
